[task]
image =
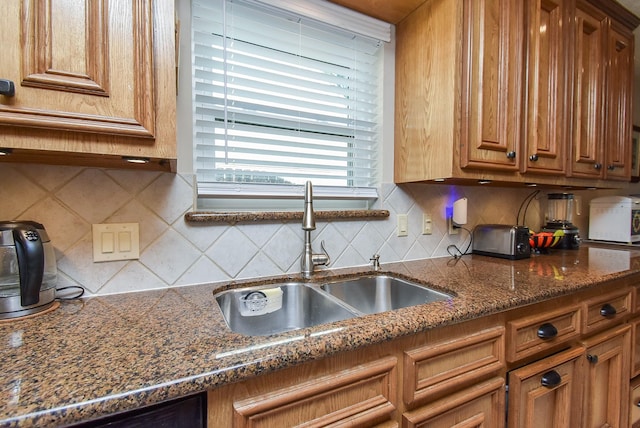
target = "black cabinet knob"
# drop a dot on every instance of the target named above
(511, 155)
(533, 157)
(611, 167)
(593, 359)
(607, 310)
(547, 331)
(7, 88)
(597, 166)
(551, 379)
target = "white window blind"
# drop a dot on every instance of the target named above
(280, 99)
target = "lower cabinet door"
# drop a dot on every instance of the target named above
(634, 409)
(546, 393)
(606, 385)
(482, 405)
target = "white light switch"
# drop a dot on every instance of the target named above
(403, 225)
(116, 241)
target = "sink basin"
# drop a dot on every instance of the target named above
(256, 311)
(380, 293)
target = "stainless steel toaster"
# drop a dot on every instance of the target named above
(501, 240)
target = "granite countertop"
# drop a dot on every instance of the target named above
(109, 354)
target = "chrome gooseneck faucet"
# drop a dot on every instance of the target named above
(309, 260)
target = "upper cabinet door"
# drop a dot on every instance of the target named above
(79, 65)
(545, 123)
(587, 148)
(491, 84)
(619, 93)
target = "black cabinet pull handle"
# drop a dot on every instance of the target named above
(551, 379)
(593, 359)
(7, 88)
(511, 155)
(533, 157)
(607, 310)
(547, 331)
(611, 167)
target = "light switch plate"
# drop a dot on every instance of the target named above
(426, 224)
(116, 241)
(403, 225)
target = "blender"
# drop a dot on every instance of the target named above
(559, 218)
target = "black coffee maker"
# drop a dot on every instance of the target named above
(559, 220)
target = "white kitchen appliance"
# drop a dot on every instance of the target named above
(615, 219)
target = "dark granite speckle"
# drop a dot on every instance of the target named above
(103, 355)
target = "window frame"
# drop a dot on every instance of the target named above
(256, 199)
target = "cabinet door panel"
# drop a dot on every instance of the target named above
(546, 131)
(606, 385)
(587, 146)
(534, 402)
(634, 401)
(619, 123)
(83, 66)
(492, 64)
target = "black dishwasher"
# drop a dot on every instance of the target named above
(188, 412)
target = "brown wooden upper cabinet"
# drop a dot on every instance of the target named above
(94, 81)
(534, 91)
(602, 79)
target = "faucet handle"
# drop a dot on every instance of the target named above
(321, 259)
(375, 261)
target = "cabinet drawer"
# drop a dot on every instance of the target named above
(361, 396)
(605, 311)
(636, 300)
(443, 366)
(529, 335)
(479, 406)
(540, 392)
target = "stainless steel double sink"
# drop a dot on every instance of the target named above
(286, 306)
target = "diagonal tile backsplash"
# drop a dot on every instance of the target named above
(68, 200)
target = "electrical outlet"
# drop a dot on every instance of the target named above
(403, 225)
(426, 224)
(452, 229)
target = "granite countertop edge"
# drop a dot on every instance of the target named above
(213, 356)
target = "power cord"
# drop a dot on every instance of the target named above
(526, 200)
(457, 253)
(80, 292)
